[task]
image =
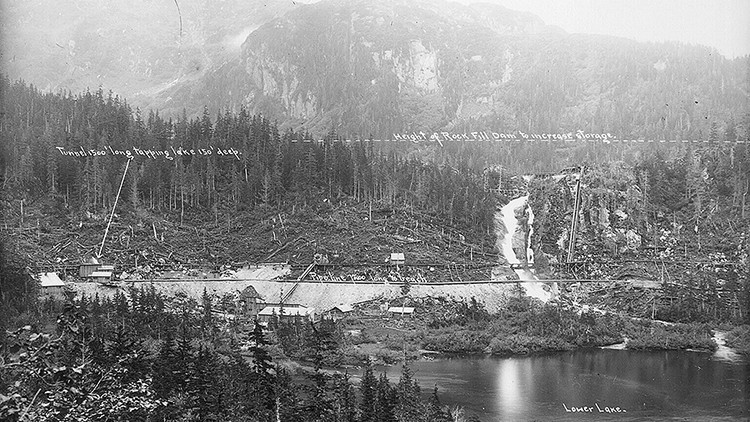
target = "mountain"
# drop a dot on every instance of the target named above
(366, 68)
(134, 48)
(329, 60)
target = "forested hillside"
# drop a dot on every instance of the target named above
(271, 188)
(254, 175)
(680, 216)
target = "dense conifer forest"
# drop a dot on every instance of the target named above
(39, 131)
(152, 357)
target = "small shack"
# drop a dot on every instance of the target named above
(87, 268)
(288, 313)
(93, 269)
(339, 312)
(52, 286)
(102, 276)
(397, 258)
(401, 310)
(250, 302)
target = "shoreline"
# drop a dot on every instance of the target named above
(432, 355)
(354, 360)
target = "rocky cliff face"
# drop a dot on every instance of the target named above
(365, 67)
(370, 69)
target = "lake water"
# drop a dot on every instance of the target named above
(646, 385)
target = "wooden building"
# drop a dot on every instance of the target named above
(51, 286)
(250, 303)
(401, 311)
(339, 312)
(288, 313)
(101, 276)
(87, 268)
(397, 258)
(96, 271)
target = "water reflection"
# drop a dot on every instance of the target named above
(645, 384)
(511, 398)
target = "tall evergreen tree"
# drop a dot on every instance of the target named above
(408, 406)
(368, 389)
(387, 400)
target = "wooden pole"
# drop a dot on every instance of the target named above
(106, 230)
(574, 223)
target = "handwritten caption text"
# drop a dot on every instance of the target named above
(167, 153)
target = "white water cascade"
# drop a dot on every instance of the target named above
(532, 287)
(541, 291)
(723, 352)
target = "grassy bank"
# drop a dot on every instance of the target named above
(647, 335)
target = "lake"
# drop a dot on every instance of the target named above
(585, 384)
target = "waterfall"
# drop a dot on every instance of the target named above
(532, 287)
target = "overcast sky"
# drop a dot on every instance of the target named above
(724, 24)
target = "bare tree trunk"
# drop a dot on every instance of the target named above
(744, 197)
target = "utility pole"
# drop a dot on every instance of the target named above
(106, 230)
(574, 222)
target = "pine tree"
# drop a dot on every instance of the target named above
(132, 192)
(368, 390)
(408, 405)
(207, 323)
(321, 403)
(435, 411)
(203, 385)
(125, 348)
(286, 403)
(261, 358)
(385, 410)
(122, 308)
(165, 367)
(52, 156)
(345, 401)
(184, 361)
(696, 182)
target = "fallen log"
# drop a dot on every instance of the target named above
(282, 247)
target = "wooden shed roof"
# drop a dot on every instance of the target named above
(401, 310)
(250, 292)
(50, 280)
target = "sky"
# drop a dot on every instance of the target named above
(724, 24)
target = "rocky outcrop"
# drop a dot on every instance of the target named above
(378, 68)
(346, 58)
